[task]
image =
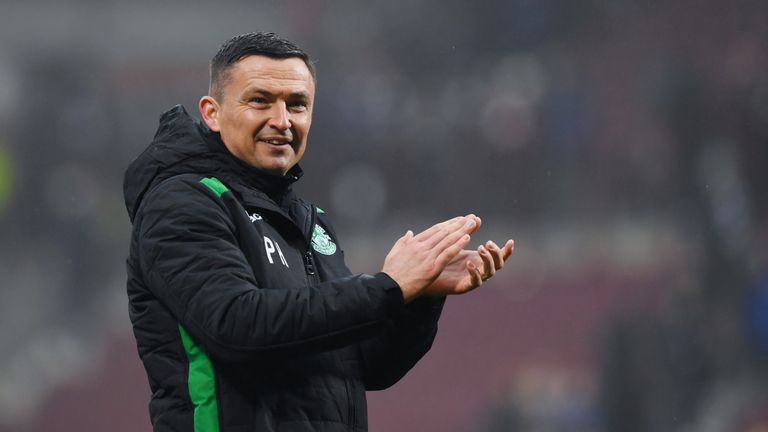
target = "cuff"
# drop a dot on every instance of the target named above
(394, 295)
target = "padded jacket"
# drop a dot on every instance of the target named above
(244, 312)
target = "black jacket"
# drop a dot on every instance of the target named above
(245, 314)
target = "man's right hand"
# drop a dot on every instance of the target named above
(415, 261)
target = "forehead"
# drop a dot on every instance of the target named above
(289, 75)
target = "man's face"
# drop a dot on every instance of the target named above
(265, 111)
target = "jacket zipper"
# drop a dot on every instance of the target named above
(309, 261)
(309, 266)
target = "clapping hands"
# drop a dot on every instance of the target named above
(434, 262)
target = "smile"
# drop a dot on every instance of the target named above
(276, 141)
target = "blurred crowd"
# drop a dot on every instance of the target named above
(553, 120)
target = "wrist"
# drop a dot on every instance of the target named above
(409, 295)
(409, 292)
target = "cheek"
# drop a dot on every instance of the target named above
(303, 127)
(247, 120)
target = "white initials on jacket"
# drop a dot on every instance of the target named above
(254, 217)
(271, 247)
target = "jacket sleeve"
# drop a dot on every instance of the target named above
(189, 255)
(407, 338)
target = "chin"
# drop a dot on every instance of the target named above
(276, 169)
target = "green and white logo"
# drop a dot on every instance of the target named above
(321, 241)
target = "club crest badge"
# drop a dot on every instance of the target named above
(321, 241)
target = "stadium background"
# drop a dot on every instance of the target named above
(623, 144)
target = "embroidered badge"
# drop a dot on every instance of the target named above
(321, 241)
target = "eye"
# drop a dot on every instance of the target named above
(298, 106)
(259, 100)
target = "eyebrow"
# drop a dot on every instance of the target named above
(298, 94)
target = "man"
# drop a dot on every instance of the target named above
(245, 314)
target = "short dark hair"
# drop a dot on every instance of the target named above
(264, 44)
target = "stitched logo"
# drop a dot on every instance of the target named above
(321, 241)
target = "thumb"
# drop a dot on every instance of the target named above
(405, 238)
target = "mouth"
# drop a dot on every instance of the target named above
(276, 141)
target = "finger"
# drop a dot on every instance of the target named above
(476, 279)
(478, 222)
(436, 227)
(509, 247)
(437, 232)
(489, 268)
(452, 249)
(496, 253)
(451, 238)
(450, 234)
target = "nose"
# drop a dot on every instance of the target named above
(279, 118)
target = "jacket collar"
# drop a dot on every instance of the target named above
(183, 144)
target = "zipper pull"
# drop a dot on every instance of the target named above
(309, 263)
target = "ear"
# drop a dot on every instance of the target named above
(209, 111)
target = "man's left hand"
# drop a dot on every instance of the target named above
(470, 268)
